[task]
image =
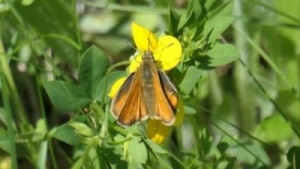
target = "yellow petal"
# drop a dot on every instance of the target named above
(135, 63)
(180, 113)
(157, 131)
(143, 38)
(115, 87)
(168, 52)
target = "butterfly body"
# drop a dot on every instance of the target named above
(146, 93)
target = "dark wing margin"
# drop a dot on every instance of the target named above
(169, 89)
(165, 99)
(119, 100)
(129, 106)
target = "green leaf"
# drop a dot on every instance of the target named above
(4, 141)
(56, 21)
(293, 156)
(82, 129)
(92, 67)
(224, 9)
(163, 163)
(107, 82)
(137, 151)
(66, 133)
(216, 26)
(2, 116)
(155, 148)
(189, 110)
(191, 77)
(27, 2)
(110, 156)
(186, 17)
(173, 22)
(273, 129)
(199, 10)
(195, 15)
(222, 54)
(65, 96)
(222, 147)
(206, 142)
(257, 152)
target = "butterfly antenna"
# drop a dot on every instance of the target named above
(148, 38)
(130, 44)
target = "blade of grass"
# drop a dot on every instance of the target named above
(270, 98)
(267, 58)
(278, 12)
(236, 141)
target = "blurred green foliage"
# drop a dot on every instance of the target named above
(239, 81)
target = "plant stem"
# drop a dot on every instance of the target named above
(10, 129)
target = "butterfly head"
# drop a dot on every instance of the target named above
(148, 55)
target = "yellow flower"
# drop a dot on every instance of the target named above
(159, 132)
(167, 52)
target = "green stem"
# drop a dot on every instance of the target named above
(245, 116)
(9, 120)
(104, 126)
(133, 8)
(52, 156)
(240, 144)
(8, 79)
(277, 107)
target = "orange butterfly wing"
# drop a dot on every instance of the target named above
(166, 99)
(128, 106)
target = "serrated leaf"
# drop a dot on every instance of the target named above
(92, 67)
(222, 54)
(65, 96)
(191, 77)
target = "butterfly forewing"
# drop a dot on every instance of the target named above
(132, 109)
(164, 108)
(120, 99)
(169, 89)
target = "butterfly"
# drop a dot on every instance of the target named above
(146, 93)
